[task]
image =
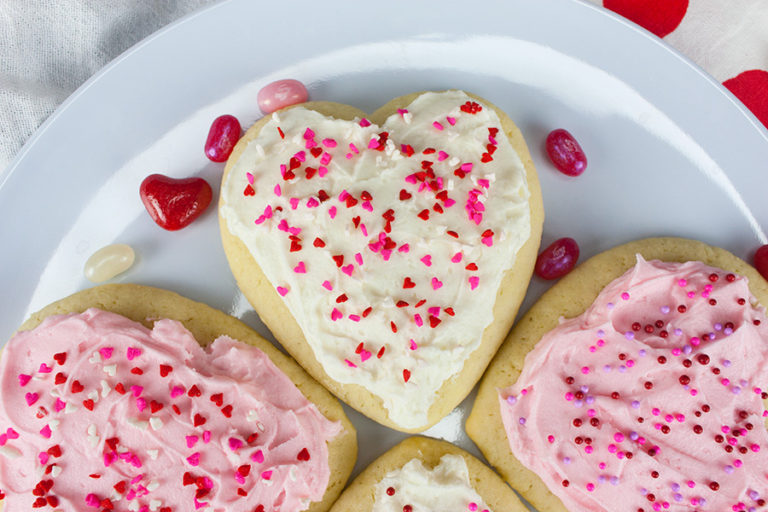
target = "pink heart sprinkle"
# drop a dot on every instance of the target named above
(456, 257)
(484, 183)
(24, 379)
(249, 176)
(44, 368)
(324, 160)
(136, 479)
(367, 206)
(348, 269)
(31, 398)
(449, 202)
(451, 120)
(92, 500)
(434, 311)
(312, 203)
(282, 290)
(109, 459)
(323, 170)
(404, 248)
(207, 436)
(235, 444)
(300, 268)
(194, 459)
(59, 405)
(329, 143)
(132, 353)
(418, 320)
(294, 202)
(442, 155)
(239, 478)
(43, 457)
(258, 456)
(474, 281)
(487, 240)
(436, 283)
(364, 355)
(301, 156)
(359, 258)
(12, 434)
(413, 345)
(278, 190)
(466, 167)
(364, 122)
(191, 441)
(327, 285)
(427, 260)
(141, 404)
(46, 432)
(354, 318)
(176, 391)
(266, 475)
(350, 363)
(3, 439)
(309, 134)
(336, 314)
(137, 391)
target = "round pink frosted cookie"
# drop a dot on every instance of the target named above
(387, 253)
(654, 399)
(131, 397)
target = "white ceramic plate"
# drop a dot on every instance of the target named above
(670, 151)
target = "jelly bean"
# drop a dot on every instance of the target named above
(222, 137)
(558, 259)
(565, 153)
(174, 203)
(108, 262)
(281, 94)
(761, 261)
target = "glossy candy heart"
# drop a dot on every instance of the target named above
(174, 203)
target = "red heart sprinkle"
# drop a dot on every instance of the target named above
(121, 487)
(188, 479)
(194, 391)
(88, 404)
(107, 504)
(112, 443)
(60, 358)
(165, 370)
(303, 454)
(407, 283)
(227, 411)
(249, 191)
(318, 243)
(316, 151)
(199, 420)
(244, 470)
(242, 492)
(218, 399)
(406, 375)
(137, 371)
(60, 378)
(120, 388)
(174, 203)
(155, 406)
(54, 451)
(77, 387)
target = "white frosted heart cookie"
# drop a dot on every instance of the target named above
(110, 402)
(387, 254)
(646, 397)
(422, 474)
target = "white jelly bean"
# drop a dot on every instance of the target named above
(108, 262)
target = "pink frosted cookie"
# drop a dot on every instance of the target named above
(104, 409)
(649, 397)
(388, 253)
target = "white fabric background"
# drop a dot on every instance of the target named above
(48, 48)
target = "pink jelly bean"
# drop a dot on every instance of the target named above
(281, 94)
(222, 137)
(565, 153)
(558, 259)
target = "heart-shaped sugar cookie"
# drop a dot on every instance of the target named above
(388, 254)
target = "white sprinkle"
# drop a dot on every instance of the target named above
(10, 451)
(133, 506)
(453, 161)
(154, 504)
(55, 470)
(153, 485)
(115, 497)
(54, 424)
(106, 389)
(260, 150)
(275, 117)
(92, 431)
(152, 454)
(407, 117)
(141, 425)
(292, 473)
(260, 426)
(156, 423)
(55, 392)
(94, 440)
(70, 408)
(94, 395)
(252, 415)
(95, 358)
(110, 369)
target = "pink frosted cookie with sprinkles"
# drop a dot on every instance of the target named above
(639, 383)
(422, 474)
(105, 407)
(387, 253)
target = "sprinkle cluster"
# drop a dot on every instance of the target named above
(135, 427)
(659, 406)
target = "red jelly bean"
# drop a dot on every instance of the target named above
(564, 151)
(222, 137)
(281, 94)
(558, 259)
(761, 261)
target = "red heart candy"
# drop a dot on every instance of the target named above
(174, 204)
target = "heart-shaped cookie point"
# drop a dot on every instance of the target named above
(376, 248)
(174, 203)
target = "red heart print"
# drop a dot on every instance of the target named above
(174, 203)
(751, 87)
(658, 16)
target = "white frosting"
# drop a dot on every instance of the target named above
(436, 353)
(445, 488)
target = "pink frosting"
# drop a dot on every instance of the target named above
(150, 421)
(651, 399)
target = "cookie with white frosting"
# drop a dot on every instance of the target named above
(111, 401)
(422, 474)
(638, 382)
(387, 253)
